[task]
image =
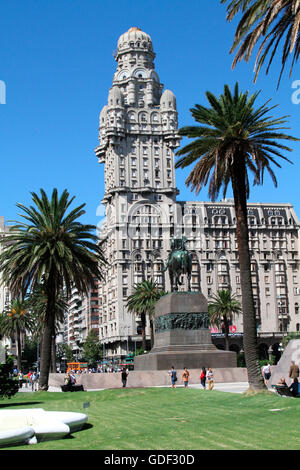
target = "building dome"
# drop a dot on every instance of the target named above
(168, 100)
(134, 38)
(115, 97)
(102, 116)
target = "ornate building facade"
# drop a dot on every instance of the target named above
(137, 140)
(5, 295)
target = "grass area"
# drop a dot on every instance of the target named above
(172, 419)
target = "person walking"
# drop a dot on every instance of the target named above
(124, 375)
(33, 379)
(266, 372)
(173, 375)
(210, 379)
(20, 378)
(203, 378)
(185, 377)
(29, 379)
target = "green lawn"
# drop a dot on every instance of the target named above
(172, 419)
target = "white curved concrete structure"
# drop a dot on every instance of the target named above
(23, 425)
(16, 436)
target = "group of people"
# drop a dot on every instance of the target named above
(70, 378)
(293, 374)
(206, 375)
(30, 378)
(294, 388)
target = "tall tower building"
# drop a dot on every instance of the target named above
(138, 126)
(138, 135)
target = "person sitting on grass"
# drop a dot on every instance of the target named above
(294, 387)
(282, 383)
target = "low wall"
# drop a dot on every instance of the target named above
(148, 378)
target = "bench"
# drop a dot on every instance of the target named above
(284, 391)
(72, 388)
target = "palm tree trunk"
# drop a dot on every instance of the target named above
(226, 327)
(143, 322)
(249, 321)
(151, 332)
(19, 350)
(53, 354)
(49, 330)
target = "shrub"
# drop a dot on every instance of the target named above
(8, 386)
(288, 338)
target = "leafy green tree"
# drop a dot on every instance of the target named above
(142, 302)
(30, 352)
(14, 321)
(271, 21)
(92, 348)
(233, 139)
(52, 246)
(8, 386)
(64, 350)
(221, 308)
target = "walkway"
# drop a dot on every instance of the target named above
(234, 387)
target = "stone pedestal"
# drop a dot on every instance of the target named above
(182, 336)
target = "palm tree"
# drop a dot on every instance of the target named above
(221, 308)
(53, 246)
(142, 302)
(37, 303)
(271, 21)
(233, 139)
(14, 321)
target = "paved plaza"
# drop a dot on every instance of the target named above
(236, 387)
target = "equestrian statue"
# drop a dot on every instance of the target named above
(179, 262)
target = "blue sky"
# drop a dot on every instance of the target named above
(56, 59)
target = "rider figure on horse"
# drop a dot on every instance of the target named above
(179, 262)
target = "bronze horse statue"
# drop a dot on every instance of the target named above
(179, 262)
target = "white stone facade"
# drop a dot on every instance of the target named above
(5, 295)
(137, 140)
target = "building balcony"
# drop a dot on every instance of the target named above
(283, 316)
